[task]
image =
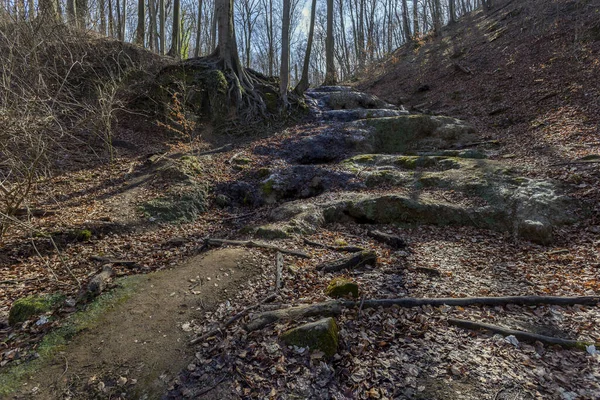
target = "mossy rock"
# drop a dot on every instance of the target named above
(271, 232)
(342, 287)
(183, 205)
(27, 307)
(405, 132)
(321, 335)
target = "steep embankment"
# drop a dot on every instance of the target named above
(525, 73)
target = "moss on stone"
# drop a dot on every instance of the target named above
(267, 187)
(271, 232)
(183, 205)
(321, 335)
(342, 287)
(27, 307)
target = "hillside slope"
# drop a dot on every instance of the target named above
(526, 73)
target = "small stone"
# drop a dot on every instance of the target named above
(342, 287)
(321, 335)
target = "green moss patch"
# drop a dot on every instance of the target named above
(181, 205)
(321, 335)
(13, 376)
(342, 287)
(31, 306)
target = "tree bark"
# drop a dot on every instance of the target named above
(141, 28)
(285, 53)
(198, 30)
(162, 23)
(334, 307)
(330, 72)
(521, 335)
(303, 84)
(175, 50)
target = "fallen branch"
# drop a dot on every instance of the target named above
(349, 249)
(221, 149)
(521, 335)
(33, 212)
(326, 309)
(114, 261)
(232, 320)
(250, 243)
(576, 162)
(329, 307)
(355, 260)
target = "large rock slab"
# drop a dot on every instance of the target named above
(416, 131)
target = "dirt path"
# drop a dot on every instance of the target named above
(140, 345)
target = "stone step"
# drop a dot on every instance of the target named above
(361, 113)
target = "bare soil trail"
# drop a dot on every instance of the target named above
(139, 346)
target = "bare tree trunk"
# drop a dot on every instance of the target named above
(162, 23)
(303, 84)
(141, 28)
(102, 12)
(175, 50)
(123, 20)
(416, 31)
(285, 52)
(71, 18)
(405, 24)
(213, 28)
(330, 72)
(111, 25)
(47, 11)
(344, 40)
(81, 10)
(452, 11)
(198, 30)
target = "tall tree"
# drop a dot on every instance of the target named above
(81, 9)
(71, 17)
(141, 28)
(330, 71)
(175, 50)
(303, 83)
(198, 30)
(285, 52)
(102, 12)
(162, 23)
(452, 11)
(415, 10)
(405, 24)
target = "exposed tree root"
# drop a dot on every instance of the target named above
(250, 243)
(355, 260)
(521, 335)
(349, 249)
(326, 308)
(232, 320)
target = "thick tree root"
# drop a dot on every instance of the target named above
(232, 320)
(521, 335)
(348, 249)
(326, 308)
(352, 261)
(250, 243)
